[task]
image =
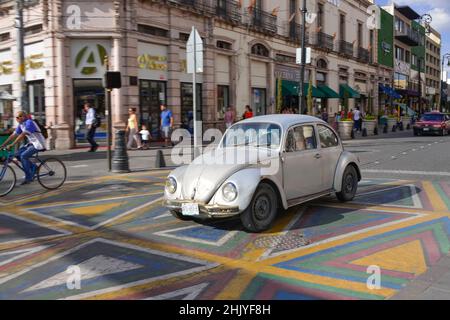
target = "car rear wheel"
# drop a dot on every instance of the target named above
(262, 211)
(349, 184)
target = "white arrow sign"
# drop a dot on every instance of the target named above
(194, 57)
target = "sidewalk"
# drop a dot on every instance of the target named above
(381, 135)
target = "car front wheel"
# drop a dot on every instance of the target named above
(262, 210)
(349, 184)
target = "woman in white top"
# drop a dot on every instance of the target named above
(132, 128)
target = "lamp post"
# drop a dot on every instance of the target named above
(446, 56)
(425, 20)
(301, 90)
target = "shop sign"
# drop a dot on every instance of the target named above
(402, 67)
(6, 67)
(88, 58)
(386, 47)
(152, 62)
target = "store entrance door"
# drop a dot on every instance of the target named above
(92, 91)
(36, 98)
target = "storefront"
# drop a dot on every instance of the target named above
(152, 64)
(87, 70)
(187, 95)
(6, 80)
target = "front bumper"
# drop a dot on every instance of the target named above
(425, 130)
(206, 211)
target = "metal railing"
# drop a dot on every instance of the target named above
(364, 55)
(295, 33)
(262, 21)
(345, 48)
(409, 34)
(227, 10)
(323, 41)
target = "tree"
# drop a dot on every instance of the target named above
(279, 101)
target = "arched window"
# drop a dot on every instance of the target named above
(322, 64)
(260, 50)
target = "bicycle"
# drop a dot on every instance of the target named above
(51, 173)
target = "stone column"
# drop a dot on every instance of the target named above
(173, 83)
(64, 128)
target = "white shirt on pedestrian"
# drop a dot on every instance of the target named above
(356, 115)
(145, 134)
(90, 116)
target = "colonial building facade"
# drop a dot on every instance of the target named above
(249, 59)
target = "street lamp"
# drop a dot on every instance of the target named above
(301, 91)
(446, 56)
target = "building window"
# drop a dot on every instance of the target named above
(154, 31)
(183, 36)
(33, 30)
(260, 50)
(223, 98)
(224, 45)
(322, 64)
(342, 27)
(320, 15)
(360, 35)
(321, 78)
(5, 36)
(259, 101)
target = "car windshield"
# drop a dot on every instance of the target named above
(432, 117)
(266, 135)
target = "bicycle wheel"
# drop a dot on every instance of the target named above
(7, 180)
(51, 174)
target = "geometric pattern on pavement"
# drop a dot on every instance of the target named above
(105, 265)
(134, 249)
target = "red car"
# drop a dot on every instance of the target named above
(432, 122)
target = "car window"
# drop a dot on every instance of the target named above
(301, 138)
(327, 137)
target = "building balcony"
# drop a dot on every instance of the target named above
(227, 10)
(295, 33)
(345, 48)
(364, 55)
(408, 36)
(262, 21)
(323, 41)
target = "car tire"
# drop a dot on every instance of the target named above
(349, 184)
(416, 133)
(179, 216)
(262, 210)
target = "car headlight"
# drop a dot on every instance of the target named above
(171, 185)
(229, 191)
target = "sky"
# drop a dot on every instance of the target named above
(439, 11)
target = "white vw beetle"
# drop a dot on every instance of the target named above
(261, 166)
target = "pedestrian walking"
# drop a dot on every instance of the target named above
(145, 137)
(230, 117)
(91, 126)
(357, 119)
(166, 124)
(248, 113)
(132, 128)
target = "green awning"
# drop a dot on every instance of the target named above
(329, 93)
(345, 91)
(291, 88)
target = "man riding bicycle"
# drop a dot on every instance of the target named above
(27, 128)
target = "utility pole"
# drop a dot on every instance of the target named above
(419, 60)
(301, 89)
(22, 98)
(109, 118)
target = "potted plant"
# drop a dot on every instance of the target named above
(345, 127)
(370, 122)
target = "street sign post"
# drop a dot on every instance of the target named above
(194, 60)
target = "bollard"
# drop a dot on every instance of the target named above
(352, 135)
(375, 131)
(159, 161)
(401, 126)
(385, 129)
(408, 127)
(364, 132)
(120, 157)
(394, 128)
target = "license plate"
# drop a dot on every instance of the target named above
(190, 209)
(426, 129)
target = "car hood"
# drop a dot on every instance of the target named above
(207, 172)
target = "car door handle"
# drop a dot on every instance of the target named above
(317, 156)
